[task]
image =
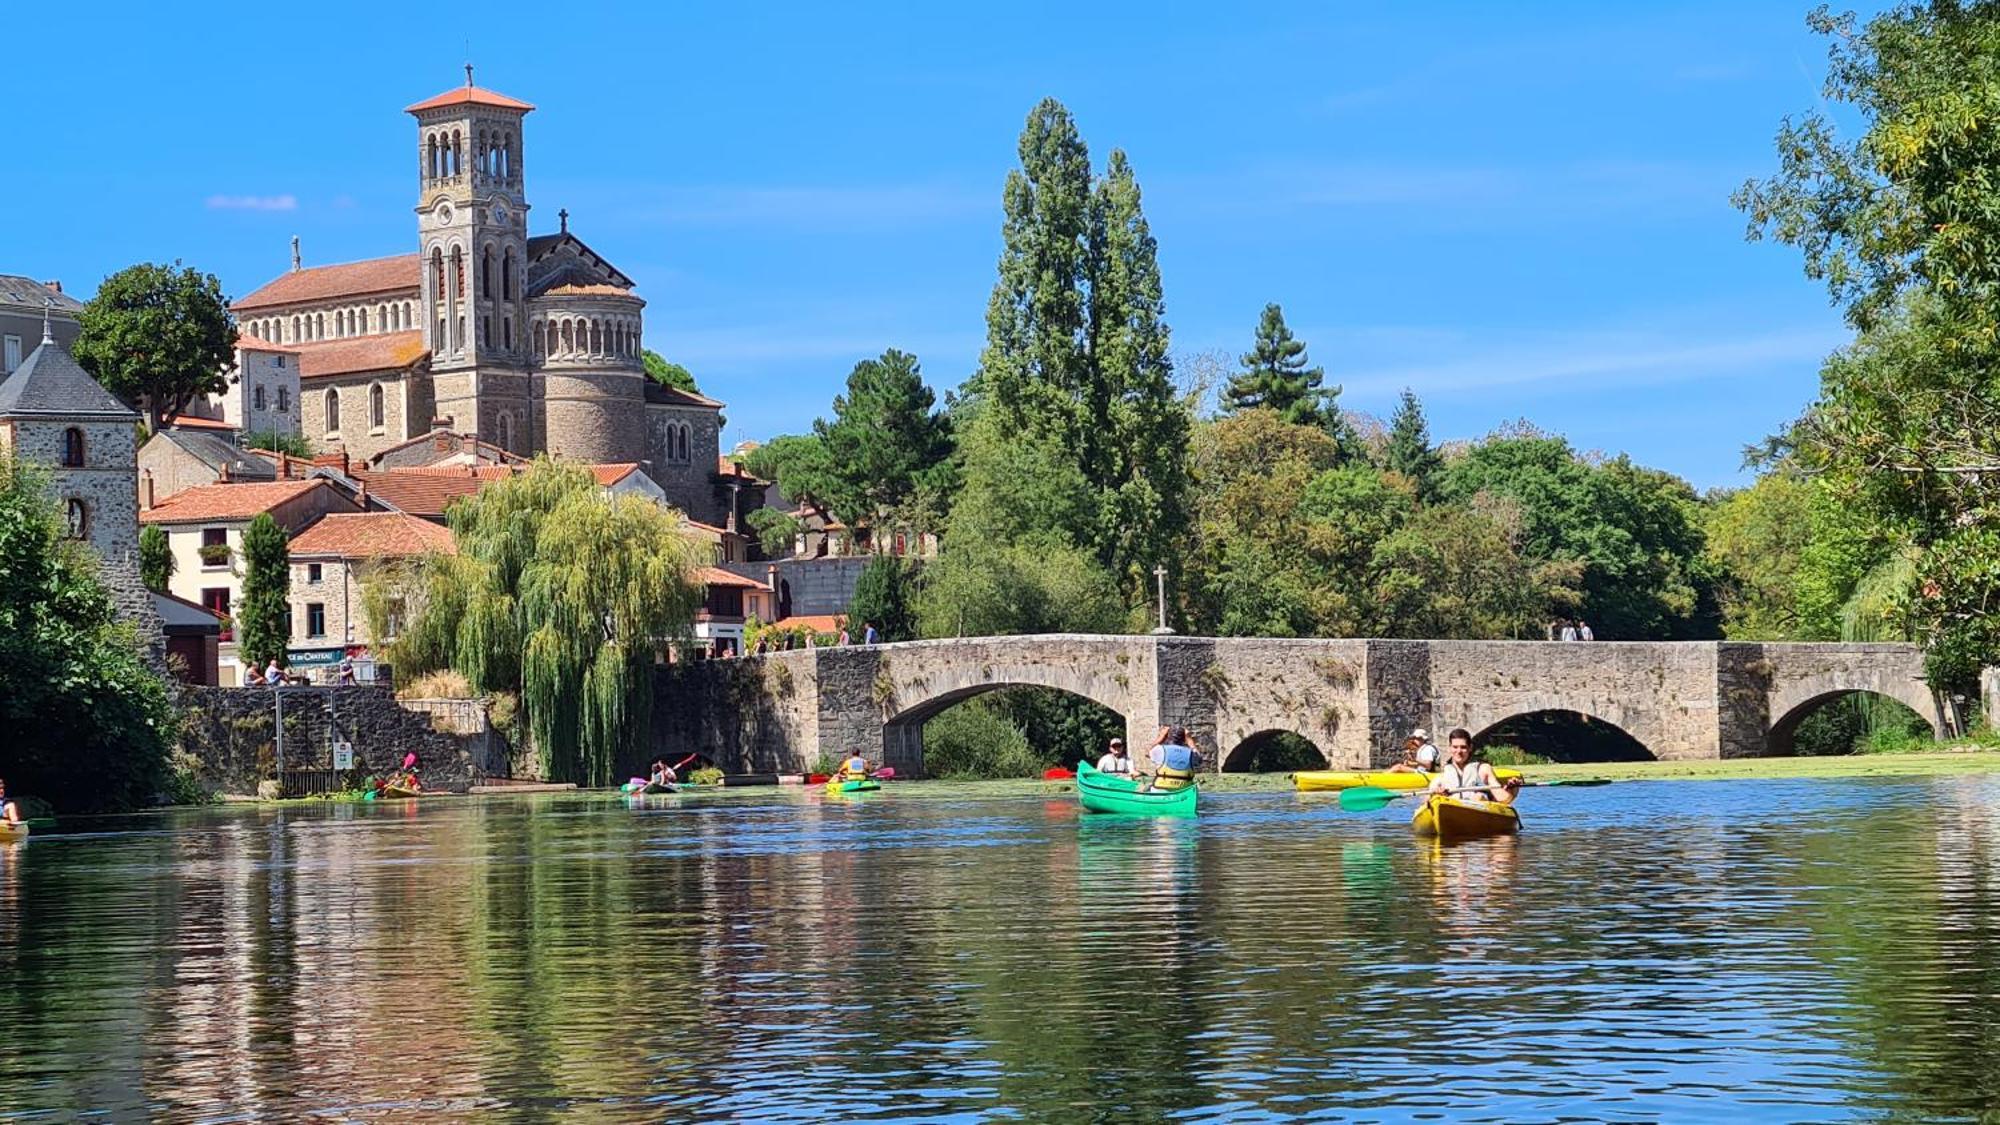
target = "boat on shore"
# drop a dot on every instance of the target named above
(1106, 793)
(1456, 818)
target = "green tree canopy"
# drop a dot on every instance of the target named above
(88, 724)
(562, 594)
(1076, 361)
(883, 598)
(667, 373)
(1902, 223)
(156, 558)
(263, 617)
(158, 336)
(1634, 531)
(886, 454)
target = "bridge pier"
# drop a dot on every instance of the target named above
(1356, 700)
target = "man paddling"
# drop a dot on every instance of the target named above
(1460, 772)
(1115, 759)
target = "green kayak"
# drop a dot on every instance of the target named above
(864, 785)
(1107, 793)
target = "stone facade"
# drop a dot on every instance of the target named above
(1354, 699)
(533, 343)
(681, 440)
(232, 732)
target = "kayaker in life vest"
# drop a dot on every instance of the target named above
(663, 774)
(1461, 772)
(1115, 760)
(1175, 760)
(1419, 756)
(9, 811)
(852, 768)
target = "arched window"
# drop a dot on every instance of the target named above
(332, 410)
(437, 273)
(507, 275)
(457, 152)
(295, 330)
(507, 431)
(257, 398)
(568, 337)
(507, 332)
(72, 451)
(375, 411)
(77, 514)
(486, 273)
(458, 271)
(319, 326)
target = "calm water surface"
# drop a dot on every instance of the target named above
(1779, 951)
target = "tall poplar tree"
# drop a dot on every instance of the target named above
(1076, 359)
(1409, 450)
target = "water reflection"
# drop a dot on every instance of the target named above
(1778, 951)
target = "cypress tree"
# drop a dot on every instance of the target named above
(1409, 449)
(267, 581)
(156, 558)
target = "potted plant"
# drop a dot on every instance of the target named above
(214, 554)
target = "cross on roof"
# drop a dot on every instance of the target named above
(564, 216)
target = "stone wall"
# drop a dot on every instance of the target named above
(232, 732)
(817, 586)
(1356, 700)
(689, 482)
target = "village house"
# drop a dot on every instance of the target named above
(330, 562)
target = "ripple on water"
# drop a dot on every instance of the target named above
(1648, 952)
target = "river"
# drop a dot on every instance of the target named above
(1652, 951)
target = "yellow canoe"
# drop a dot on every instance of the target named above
(1454, 818)
(1311, 781)
(13, 833)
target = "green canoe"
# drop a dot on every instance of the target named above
(1106, 793)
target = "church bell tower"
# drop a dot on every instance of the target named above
(472, 223)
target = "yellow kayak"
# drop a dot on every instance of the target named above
(1454, 818)
(13, 833)
(1312, 781)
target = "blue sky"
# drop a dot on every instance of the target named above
(1518, 211)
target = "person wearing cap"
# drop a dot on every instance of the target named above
(1419, 756)
(1115, 759)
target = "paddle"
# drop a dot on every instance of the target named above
(1368, 798)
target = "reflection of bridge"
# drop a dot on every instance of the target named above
(1354, 699)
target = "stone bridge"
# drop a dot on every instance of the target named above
(1354, 699)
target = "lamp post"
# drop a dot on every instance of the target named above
(1160, 578)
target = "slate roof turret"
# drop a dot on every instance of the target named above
(52, 384)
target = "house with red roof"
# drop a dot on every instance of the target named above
(330, 562)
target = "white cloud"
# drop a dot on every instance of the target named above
(253, 203)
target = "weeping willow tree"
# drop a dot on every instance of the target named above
(561, 593)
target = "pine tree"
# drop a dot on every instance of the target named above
(267, 581)
(1276, 376)
(885, 444)
(1409, 450)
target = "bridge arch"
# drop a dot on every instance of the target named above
(947, 678)
(1799, 707)
(1275, 750)
(1561, 734)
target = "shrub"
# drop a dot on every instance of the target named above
(442, 684)
(706, 775)
(974, 740)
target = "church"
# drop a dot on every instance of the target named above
(528, 342)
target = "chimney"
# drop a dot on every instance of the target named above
(296, 259)
(361, 493)
(222, 475)
(284, 467)
(146, 490)
(735, 491)
(52, 286)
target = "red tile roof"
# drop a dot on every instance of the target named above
(422, 492)
(348, 279)
(716, 576)
(190, 422)
(470, 95)
(817, 622)
(486, 449)
(368, 535)
(391, 351)
(248, 342)
(228, 501)
(608, 475)
(588, 291)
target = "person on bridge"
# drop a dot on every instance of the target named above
(1175, 760)
(1115, 760)
(1462, 773)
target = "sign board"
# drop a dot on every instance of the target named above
(313, 657)
(343, 755)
